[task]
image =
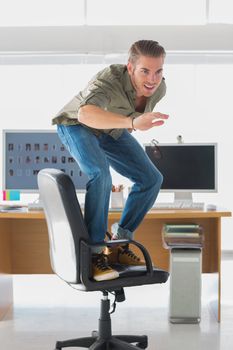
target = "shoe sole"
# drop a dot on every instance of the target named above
(108, 276)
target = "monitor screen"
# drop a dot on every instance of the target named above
(186, 167)
(26, 152)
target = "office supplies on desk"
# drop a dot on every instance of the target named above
(117, 197)
(12, 208)
(11, 195)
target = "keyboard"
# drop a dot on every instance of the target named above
(179, 205)
(35, 206)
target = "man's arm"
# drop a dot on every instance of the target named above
(98, 118)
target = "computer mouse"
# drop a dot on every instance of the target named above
(211, 207)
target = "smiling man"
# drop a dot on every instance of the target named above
(146, 74)
(96, 126)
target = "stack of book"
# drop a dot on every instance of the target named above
(183, 235)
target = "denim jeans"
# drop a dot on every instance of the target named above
(95, 155)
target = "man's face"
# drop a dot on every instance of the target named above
(146, 74)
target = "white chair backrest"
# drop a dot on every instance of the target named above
(65, 222)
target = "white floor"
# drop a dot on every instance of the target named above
(46, 310)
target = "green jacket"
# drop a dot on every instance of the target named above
(112, 90)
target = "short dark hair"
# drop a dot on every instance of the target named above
(149, 48)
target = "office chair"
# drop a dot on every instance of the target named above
(70, 255)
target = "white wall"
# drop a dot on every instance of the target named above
(199, 101)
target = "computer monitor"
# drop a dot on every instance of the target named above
(186, 168)
(26, 152)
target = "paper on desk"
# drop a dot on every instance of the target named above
(12, 208)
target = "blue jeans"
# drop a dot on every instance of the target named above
(95, 155)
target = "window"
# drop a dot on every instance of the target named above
(22, 13)
(147, 12)
(220, 11)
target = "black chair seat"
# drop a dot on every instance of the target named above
(129, 276)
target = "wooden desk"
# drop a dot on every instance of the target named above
(24, 245)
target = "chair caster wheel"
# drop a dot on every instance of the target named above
(142, 345)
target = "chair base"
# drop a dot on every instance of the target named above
(121, 342)
(103, 338)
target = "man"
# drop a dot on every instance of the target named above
(95, 127)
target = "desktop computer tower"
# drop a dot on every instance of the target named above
(185, 285)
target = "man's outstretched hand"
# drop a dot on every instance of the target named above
(147, 121)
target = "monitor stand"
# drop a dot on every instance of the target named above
(183, 197)
(185, 200)
(36, 205)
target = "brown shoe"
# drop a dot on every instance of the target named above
(101, 271)
(124, 256)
